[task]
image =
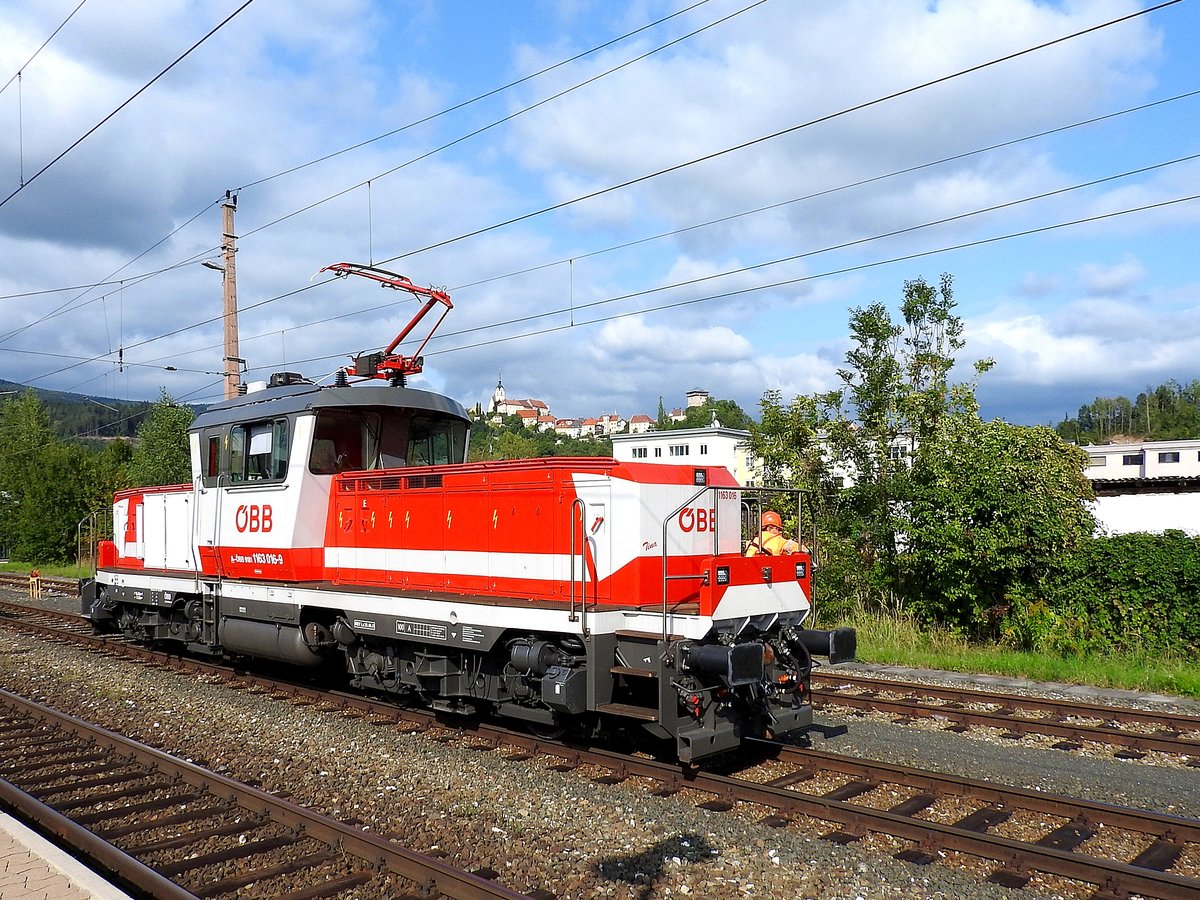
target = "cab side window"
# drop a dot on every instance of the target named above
(258, 451)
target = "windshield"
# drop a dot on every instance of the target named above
(357, 439)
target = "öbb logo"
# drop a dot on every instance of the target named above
(253, 517)
(697, 519)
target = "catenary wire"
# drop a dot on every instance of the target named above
(869, 103)
(493, 124)
(777, 134)
(135, 95)
(520, 112)
(53, 34)
(395, 131)
(642, 178)
(74, 304)
(477, 98)
(874, 179)
(798, 280)
(576, 307)
(830, 273)
(770, 286)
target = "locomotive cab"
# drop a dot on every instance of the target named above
(263, 464)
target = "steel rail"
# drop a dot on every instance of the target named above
(433, 874)
(20, 581)
(1084, 811)
(1012, 855)
(1168, 742)
(1015, 701)
(90, 846)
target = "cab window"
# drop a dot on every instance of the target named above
(364, 439)
(258, 451)
(436, 441)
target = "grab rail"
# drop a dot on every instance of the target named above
(577, 525)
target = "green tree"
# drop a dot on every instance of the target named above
(994, 507)
(1170, 411)
(161, 455)
(727, 412)
(26, 437)
(510, 439)
(514, 445)
(47, 486)
(956, 518)
(56, 505)
(896, 379)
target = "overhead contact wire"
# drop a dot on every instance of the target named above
(136, 94)
(777, 134)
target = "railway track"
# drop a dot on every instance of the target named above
(1136, 731)
(175, 830)
(19, 581)
(1118, 850)
(1025, 831)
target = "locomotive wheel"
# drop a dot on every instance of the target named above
(546, 732)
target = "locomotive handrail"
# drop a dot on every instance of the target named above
(667, 521)
(579, 504)
(242, 487)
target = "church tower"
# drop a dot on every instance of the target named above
(498, 395)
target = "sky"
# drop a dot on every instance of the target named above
(625, 200)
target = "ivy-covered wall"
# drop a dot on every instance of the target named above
(1133, 592)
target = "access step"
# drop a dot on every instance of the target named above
(633, 672)
(629, 711)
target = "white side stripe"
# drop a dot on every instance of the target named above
(536, 566)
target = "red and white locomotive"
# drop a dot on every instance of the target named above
(340, 526)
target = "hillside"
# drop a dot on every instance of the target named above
(82, 415)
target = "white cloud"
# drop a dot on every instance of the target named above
(285, 84)
(1113, 280)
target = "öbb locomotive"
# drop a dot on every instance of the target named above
(340, 528)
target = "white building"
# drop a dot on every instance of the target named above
(711, 446)
(1152, 459)
(1152, 486)
(640, 423)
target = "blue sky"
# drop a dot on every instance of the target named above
(1069, 313)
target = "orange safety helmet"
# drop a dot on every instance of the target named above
(772, 518)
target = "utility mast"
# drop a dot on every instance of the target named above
(233, 374)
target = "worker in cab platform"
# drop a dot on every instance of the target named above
(771, 541)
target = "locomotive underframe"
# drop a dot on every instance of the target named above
(456, 656)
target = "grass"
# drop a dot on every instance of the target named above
(897, 640)
(61, 571)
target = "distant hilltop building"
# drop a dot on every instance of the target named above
(640, 424)
(534, 413)
(529, 411)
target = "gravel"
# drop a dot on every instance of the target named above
(561, 831)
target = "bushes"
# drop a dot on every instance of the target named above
(1136, 593)
(1132, 594)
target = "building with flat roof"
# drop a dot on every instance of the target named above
(1149, 486)
(713, 445)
